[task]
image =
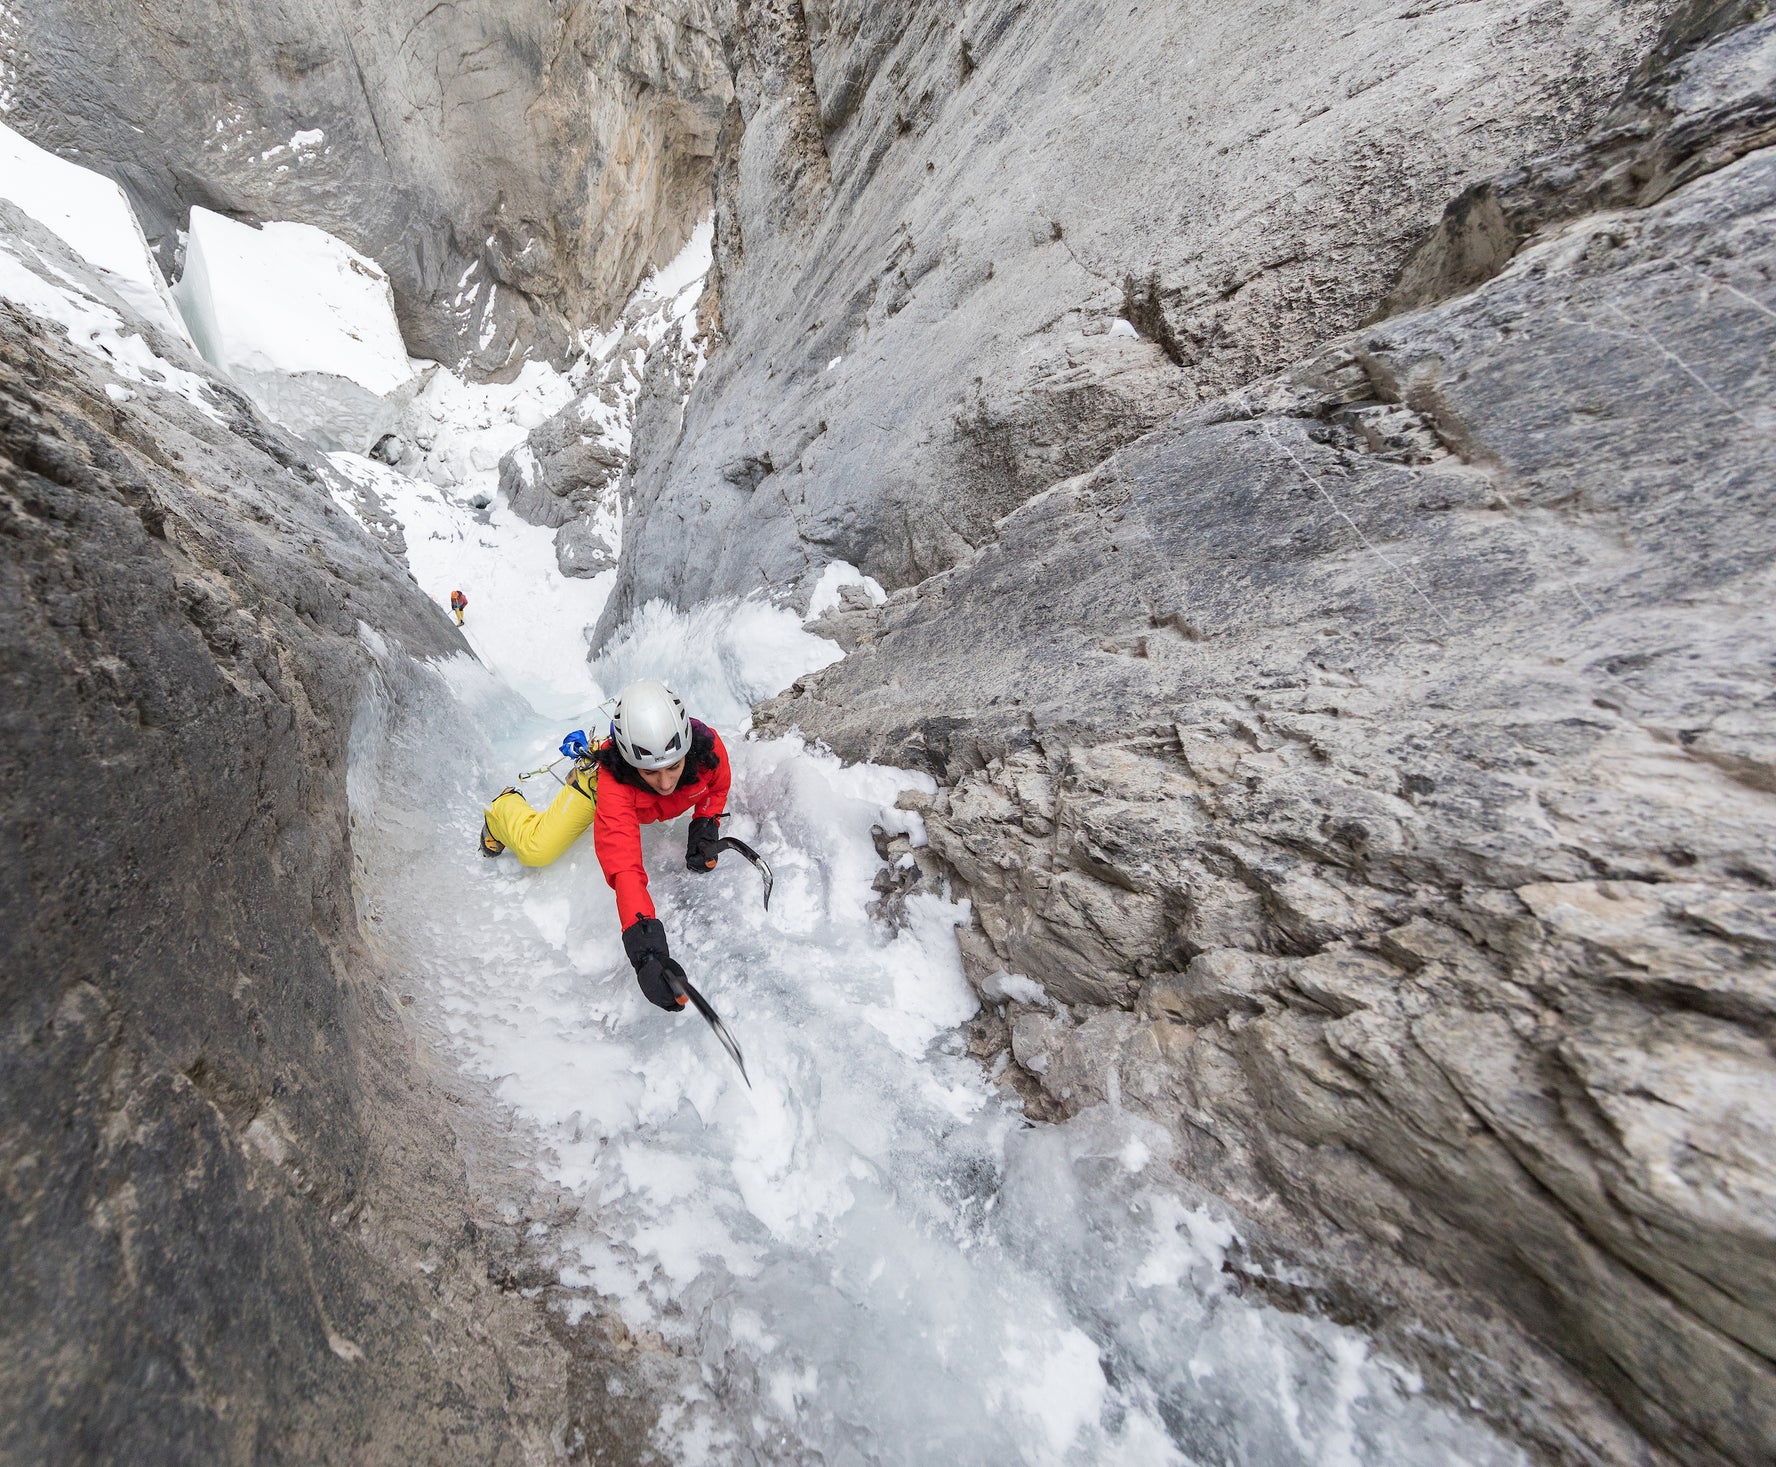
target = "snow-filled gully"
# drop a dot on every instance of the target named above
(869, 1257)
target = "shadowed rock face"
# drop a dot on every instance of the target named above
(221, 1168)
(515, 167)
(928, 224)
(1378, 767)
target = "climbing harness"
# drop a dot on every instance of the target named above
(577, 747)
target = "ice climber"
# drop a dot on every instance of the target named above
(459, 603)
(657, 763)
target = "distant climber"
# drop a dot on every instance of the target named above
(657, 763)
(459, 603)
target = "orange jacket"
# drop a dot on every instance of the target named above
(623, 810)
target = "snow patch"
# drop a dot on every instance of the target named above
(1000, 986)
(90, 213)
(833, 578)
(459, 431)
(303, 322)
(96, 328)
(683, 277)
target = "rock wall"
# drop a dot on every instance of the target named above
(235, 1226)
(515, 167)
(1376, 768)
(566, 475)
(931, 220)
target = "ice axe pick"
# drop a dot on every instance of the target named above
(740, 848)
(684, 988)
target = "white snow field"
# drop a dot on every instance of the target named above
(91, 214)
(303, 322)
(868, 1257)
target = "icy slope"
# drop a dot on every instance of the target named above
(868, 1257)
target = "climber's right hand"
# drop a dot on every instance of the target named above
(703, 844)
(644, 940)
(656, 986)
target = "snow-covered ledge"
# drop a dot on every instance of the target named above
(304, 323)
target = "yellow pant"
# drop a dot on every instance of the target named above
(537, 837)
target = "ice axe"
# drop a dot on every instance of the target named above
(683, 988)
(740, 848)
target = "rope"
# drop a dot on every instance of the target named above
(608, 707)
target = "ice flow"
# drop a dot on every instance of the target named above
(869, 1258)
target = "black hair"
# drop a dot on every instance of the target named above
(699, 761)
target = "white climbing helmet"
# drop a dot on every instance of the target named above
(651, 728)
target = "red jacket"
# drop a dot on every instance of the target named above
(623, 810)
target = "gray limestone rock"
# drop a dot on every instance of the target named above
(565, 466)
(1376, 765)
(1693, 114)
(570, 466)
(580, 550)
(515, 167)
(223, 1166)
(929, 224)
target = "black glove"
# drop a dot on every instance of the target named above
(700, 851)
(644, 940)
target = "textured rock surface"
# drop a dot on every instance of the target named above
(515, 167)
(1377, 769)
(928, 222)
(566, 474)
(235, 1226)
(1671, 125)
(561, 471)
